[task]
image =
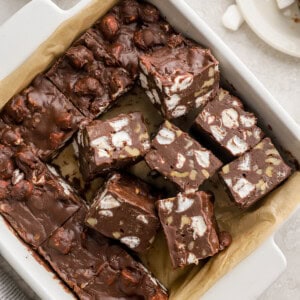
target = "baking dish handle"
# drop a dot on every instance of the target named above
(252, 276)
(46, 14)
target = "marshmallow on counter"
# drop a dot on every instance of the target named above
(232, 18)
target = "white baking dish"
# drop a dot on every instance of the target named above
(34, 23)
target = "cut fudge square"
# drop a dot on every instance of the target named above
(253, 175)
(226, 124)
(83, 76)
(180, 79)
(112, 144)
(43, 116)
(180, 158)
(122, 277)
(75, 252)
(33, 200)
(190, 228)
(124, 210)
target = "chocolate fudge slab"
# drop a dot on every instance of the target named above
(190, 228)
(45, 119)
(124, 210)
(83, 75)
(32, 200)
(112, 144)
(179, 79)
(180, 158)
(75, 252)
(122, 277)
(131, 28)
(226, 124)
(253, 175)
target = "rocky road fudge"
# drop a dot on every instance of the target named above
(255, 174)
(124, 210)
(122, 277)
(111, 144)
(180, 158)
(33, 200)
(131, 28)
(44, 117)
(179, 79)
(190, 228)
(228, 127)
(75, 252)
(83, 75)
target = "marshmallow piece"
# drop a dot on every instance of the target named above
(232, 18)
(284, 3)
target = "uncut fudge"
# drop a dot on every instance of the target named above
(179, 79)
(122, 277)
(83, 75)
(253, 175)
(75, 252)
(33, 200)
(180, 158)
(124, 210)
(190, 228)
(131, 28)
(111, 144)
(44, 118)
(226, 124)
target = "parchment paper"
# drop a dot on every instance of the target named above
(249, 229)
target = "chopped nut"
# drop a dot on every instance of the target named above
(211, 72)
(273, 161)
(144, 136)
(269, 171)
(205, 173)
(132, 151)
(116, 235)
(261, 185)
(272, 152)
(169, 220)
(226, 169)
(92, 221)
(185, 220)
(193, 174)
(259, 146)
(178, 174)
(208, 83)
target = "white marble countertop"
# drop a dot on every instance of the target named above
(281, 76)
